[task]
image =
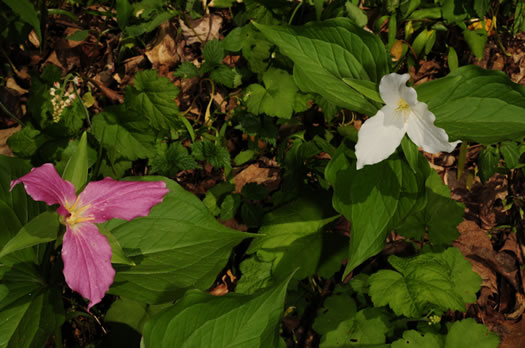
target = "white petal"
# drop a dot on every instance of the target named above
(393, 87)
(377, 140)
(422, 131)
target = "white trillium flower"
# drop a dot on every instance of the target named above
(380, 135)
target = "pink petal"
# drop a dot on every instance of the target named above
(44, 184)
(121, 199)
(87, 262)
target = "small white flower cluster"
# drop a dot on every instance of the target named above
(434, 319)
(60, 101)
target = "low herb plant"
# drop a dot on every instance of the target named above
(141, 251)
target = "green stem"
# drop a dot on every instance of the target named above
(294, 12)
(10, 114)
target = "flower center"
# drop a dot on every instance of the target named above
(402, 106)
(76, 212)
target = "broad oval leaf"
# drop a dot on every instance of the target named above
(478, 105)
(179, 245)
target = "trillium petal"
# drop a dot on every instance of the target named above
(44, 184)
(108, 199)
(87, 262)
(393, 87)
(422, 131)
(377, 139)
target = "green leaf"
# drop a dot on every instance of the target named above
(414, 339)
(291, 236)
(430, 281)
(488, 162)
(255, 48)
(367, 88)
(374, 193)
(213, 52)
(226, 76)
(132, 313)
(476, 39)
(124, 12)
(215, 154)
(187, 70)
(341, 326)
(511, 153)
(476, 105)
(30, 312)
(154, 97)
(27, 13)
(112, 132)
(275, 98)
(324, 53)
(76, 170)
(256, 275)
(41, 229)
(179, 245)
(79, 35)
(356, 14)
(118, 255)
(234, 320)
(17, 200)
(25, 142)
(468, 333)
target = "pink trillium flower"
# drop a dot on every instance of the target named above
(402, 114)
(86, 253)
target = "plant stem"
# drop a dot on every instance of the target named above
(10, 114)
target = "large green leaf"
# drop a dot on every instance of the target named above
(374, 196)
(202, 320)
(30, 312)
(291, 236)
(325, 53)
(179, 245)
(41, 229)
(430, 281)
(477, 105)
(154, 98)
(76, 170)
(468, 333)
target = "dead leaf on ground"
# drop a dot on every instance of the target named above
(4, 135)
(11, 83)
(253, 173)
(201, 30)
(164, 52)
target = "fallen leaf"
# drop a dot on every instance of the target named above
(253, 173)
(4, 135)
(201, 30)
(164, 52)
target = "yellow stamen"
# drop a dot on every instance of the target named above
(402, 106)
(76, 213)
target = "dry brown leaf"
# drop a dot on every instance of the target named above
(11, 83)
(201, 30)
(53, 59)
(164, 52)
(253, 173)
(4, 135)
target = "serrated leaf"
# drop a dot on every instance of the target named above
(25, 142)
(477, 105)
(179, 245)
(275, 98)
(226, 76)
(234, 320)
(187, 70)
(256, 274)
(216, 155)
(112, 133)
(468, 333)
(444, 281)
(154, 97)
(213, 52)
(414, 339)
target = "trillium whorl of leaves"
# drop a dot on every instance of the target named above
(403, 114)
(85, 252)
